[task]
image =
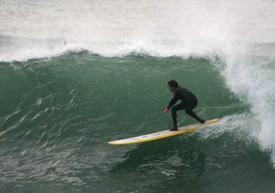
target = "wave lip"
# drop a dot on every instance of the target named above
(21, 48)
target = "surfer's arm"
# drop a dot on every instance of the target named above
(173, 101)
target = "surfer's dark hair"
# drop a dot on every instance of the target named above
(173, 83)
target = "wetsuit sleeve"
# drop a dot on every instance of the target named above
(173, 101)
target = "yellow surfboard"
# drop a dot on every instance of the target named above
(163, 134)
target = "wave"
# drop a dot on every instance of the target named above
(202, 29)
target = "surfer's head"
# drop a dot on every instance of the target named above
(172, 85)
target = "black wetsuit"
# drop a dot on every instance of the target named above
(188, 102)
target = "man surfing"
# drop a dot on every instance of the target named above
(188, 102)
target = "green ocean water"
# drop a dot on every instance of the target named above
(58, 113)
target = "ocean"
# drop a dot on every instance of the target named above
(77, 74)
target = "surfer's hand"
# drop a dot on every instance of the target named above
(165, 109)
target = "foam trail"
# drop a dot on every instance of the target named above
(239, 124)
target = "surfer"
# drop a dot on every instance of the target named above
(188, 102)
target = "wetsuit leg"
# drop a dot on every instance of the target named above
(174, 110)
(190, 112)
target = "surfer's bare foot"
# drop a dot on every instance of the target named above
(174, 129)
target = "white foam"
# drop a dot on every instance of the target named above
(252, 78)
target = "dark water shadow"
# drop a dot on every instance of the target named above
(173, 164)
